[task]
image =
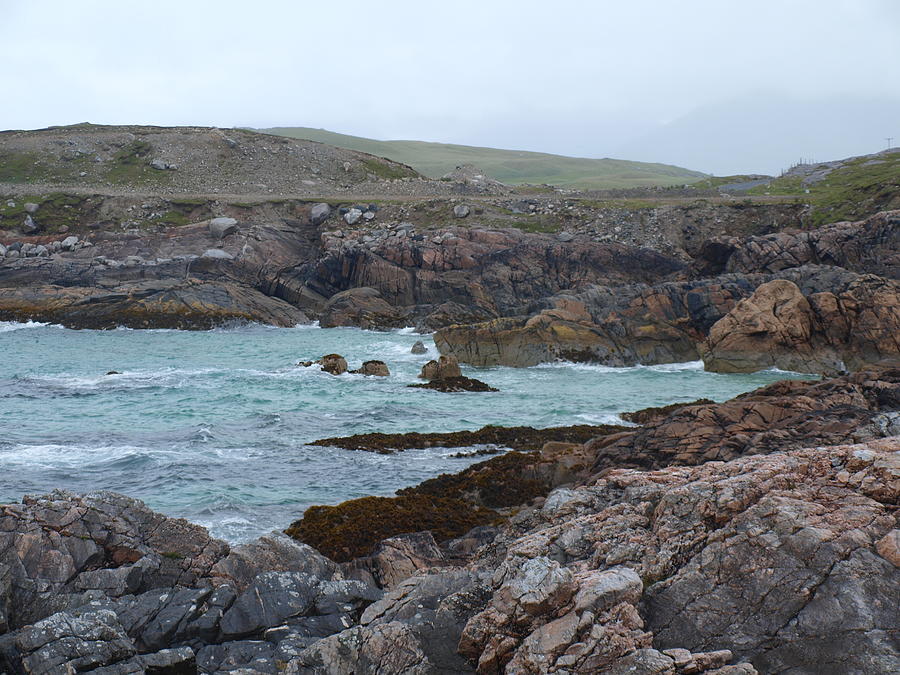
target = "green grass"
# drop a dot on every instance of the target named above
(852, 192)
(509, 166)
(54, 210)
(386, 171)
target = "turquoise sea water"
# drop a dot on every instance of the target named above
(212, 426)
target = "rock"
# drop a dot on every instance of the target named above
(222, 227)
(888, 547)
(334, 364)
(67, 642)
(68, 244)
(445, 367)
(368, 215)
(460, 211)
(516, 438)
(319, 213)
(454, 384)
(824, 333)
(30, 207)
(3, 250)
(158, 164)
(783, 416)
(565, 236)
(62, 229)
(273, 552)
(217, 254)
(352, 216)
(40, 251)
(270, 599)
(418, 348)
(29, 226)
(397, 558)
(363, 307)
(377, 368)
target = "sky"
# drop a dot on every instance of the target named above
(715, 85)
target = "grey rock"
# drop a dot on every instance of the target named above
(253, 655)
(461, 211)
(419, 348)
(69, 243)
(222, 227)
(643, 662)
(159, 618)
(30, 207)
(40, 251)
(133, 261)
(217, 253)
(29, 226)
(369, 215)
(272, 598)
(274, 552)
(158, 164)
(352, 216)
(69, 642)
(319, 213)
(565, 236)
(176, 661)
(3, 250)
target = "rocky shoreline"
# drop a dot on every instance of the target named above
(755, 535)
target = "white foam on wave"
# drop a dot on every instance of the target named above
(675, 367)
(57, 456)
(589, 367)
(9, 326)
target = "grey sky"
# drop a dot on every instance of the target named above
(637, 79)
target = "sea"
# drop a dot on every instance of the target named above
(214, 426)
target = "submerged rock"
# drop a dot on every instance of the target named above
(454, 384)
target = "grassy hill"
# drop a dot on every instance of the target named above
(509, 166)
(846, 189)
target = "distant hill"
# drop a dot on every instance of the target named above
(508, 166)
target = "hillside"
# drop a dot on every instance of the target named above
(509, 166)
(187, 159)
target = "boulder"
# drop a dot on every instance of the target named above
(222, 227)
(445, 367)
(158, 164)
(30, 207)
(417, 348)
(377, 368)
(333, 363)
(68, 244)
(454, 384)
(29, 226)
(352, 216)
(319, 213)
(460, 211)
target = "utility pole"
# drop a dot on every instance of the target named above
(889, 139)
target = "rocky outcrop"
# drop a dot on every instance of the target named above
(782, 416)
(846, 328)
(374, 368)
(526, 439)
(452, 385)
(361, 307)
(868, 246)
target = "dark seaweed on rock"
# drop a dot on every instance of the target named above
(516, 438)
(647, 415)
(353, 528)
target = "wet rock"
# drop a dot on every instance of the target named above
(443, 368)
(376, 368)
(335, 364)
(454, 385)
(418, 348)
(515, 438)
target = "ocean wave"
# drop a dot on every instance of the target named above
(9, 326)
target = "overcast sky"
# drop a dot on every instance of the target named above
(638, 79)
